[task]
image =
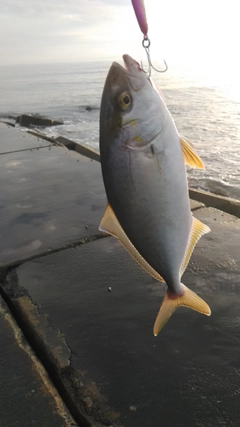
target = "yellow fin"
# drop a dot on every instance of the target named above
(189, 142)
(110, 224)
(198, 230)
(171, 302)
(191, 158)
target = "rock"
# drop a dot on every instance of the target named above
(28, 121)
(90, 107)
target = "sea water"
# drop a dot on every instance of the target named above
(206, 111)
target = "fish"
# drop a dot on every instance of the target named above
(143, 167)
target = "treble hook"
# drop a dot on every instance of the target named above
(146, 44)
(139, 9)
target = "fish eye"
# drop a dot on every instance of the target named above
(124, 101)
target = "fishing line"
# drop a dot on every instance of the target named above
(140, 12)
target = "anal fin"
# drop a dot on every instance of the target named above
(109, 224)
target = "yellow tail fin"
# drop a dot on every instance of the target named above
(171, 302)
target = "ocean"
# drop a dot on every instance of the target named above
(206, 111)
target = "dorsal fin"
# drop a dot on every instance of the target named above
(191, 158)
(198, 230)
(110, 224)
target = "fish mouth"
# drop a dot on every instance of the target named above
(131, 75)
(133, 67)
(131, 63)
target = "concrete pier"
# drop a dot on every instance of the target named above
(85, 310)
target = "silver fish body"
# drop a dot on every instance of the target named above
(144, 175)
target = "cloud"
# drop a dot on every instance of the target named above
(35, 30)
(77, 30)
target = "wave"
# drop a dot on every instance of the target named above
(8, 115)
(217, 187)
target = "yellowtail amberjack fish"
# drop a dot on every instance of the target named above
(142, 158)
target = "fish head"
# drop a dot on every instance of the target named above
(132, 113)
(132, 65)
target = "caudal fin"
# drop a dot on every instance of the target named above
(171, 302)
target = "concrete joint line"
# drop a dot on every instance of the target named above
(72, 245)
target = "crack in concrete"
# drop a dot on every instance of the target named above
(25, 327)
(60, 406)
(197, 208)
(86, 404)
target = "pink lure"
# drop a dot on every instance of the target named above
(139, 9)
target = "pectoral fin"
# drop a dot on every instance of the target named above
(191, 158)
(110, 224)
(171, 302)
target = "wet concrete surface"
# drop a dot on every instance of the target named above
(49, 199)
(27, 397)
(189, 374)
(12, 139)
(87, 309)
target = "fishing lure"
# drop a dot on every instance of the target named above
(140, 12)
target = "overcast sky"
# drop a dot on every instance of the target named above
(39, 31)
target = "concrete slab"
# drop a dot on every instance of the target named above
(196, 205)
(51, 197)
(224, 204)
(187, 376)
(27, 397)
(12, 139)
(79, 148)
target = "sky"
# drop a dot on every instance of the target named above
(203, 33)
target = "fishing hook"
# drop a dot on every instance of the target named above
(146, 44)
(140, 12)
